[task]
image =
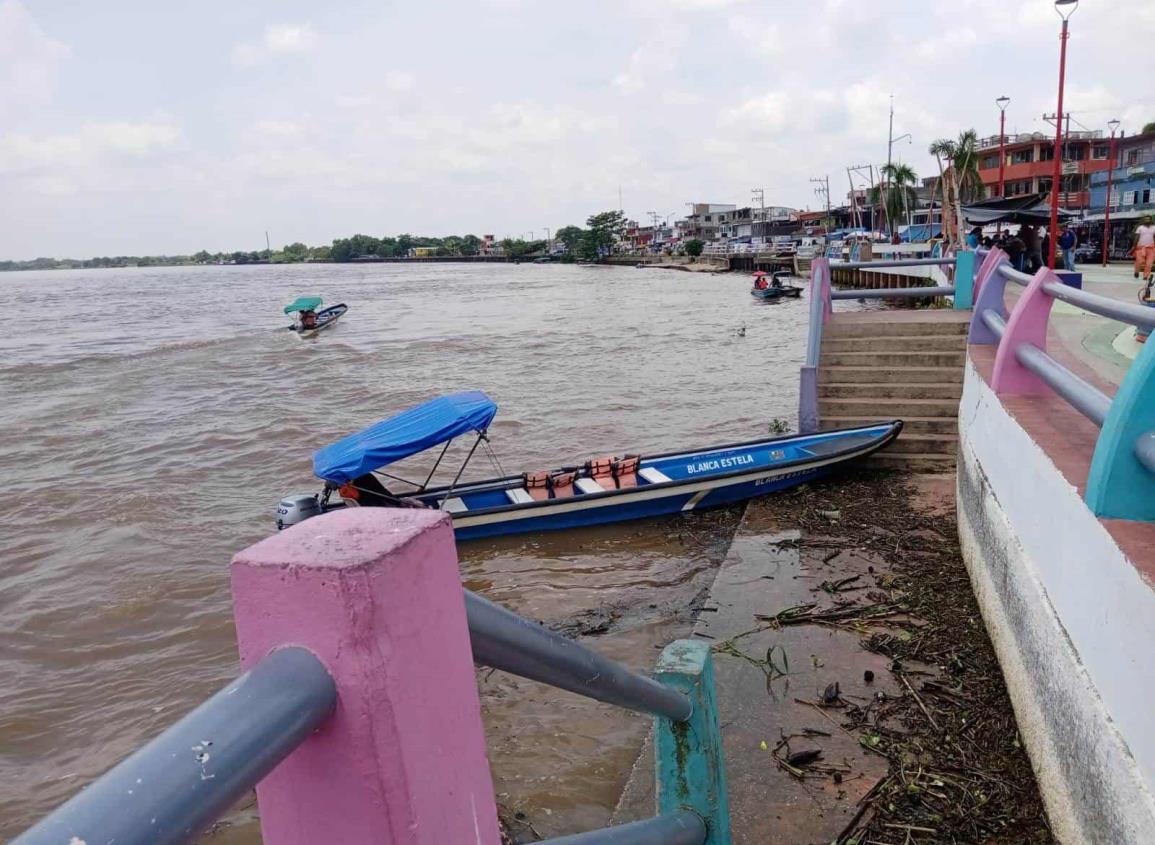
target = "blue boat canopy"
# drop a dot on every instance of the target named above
(408, 433)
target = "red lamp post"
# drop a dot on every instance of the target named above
(1002, 103)
(1065, 8)
(1114, 124)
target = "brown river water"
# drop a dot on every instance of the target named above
(151, 419)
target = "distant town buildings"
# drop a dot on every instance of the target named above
(1030, 165)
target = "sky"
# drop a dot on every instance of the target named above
(136, 127)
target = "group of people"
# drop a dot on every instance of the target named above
(1028, 247)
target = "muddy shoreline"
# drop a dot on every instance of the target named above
(860, 700)
(956, 768)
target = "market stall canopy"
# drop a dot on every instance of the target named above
(304, 303)
(435, 422)
(1031, 209)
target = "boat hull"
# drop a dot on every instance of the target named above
(325, 320)
(695, 481)
(773, 293)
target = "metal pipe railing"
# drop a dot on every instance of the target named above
(683, 828)
(185, 779)
(995, 322)
(1124, 312)
(503, 640)
(893, 293)
(898, 262)
(1145, 450)
(1017, 276)
(1083, 397)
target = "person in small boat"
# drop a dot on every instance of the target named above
(760, 281)
(776, 282)
(308, 319)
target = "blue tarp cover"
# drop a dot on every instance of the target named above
(408, 433)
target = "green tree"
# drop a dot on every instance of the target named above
(1149, 128)
(897, 195)
(570, 236)
(202, 257)
(295, 252)
(518, 248)
(694, 247)
(606, 228)
(470, 245)
(320, 253)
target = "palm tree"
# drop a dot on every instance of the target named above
(960, 178)
(962, 157)
(897, 194)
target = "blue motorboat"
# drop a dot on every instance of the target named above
(772, 287)
(600, 490)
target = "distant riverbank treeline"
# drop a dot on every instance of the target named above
(570, 241)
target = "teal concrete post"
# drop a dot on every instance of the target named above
(964, 280)
(691, 774)
(1119, 486)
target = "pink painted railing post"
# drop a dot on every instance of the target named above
(376, 595)
(1027, 324)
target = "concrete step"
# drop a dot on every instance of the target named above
(896, 343)
(873, 328)
(910, 425)
(889, 375)
(918, 444)
(893, 390)
(894, 359)
(887, 408)
(926, 462)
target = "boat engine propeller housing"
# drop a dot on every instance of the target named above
(298, 508)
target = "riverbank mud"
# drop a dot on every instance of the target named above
(860, 699)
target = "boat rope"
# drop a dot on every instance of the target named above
(493, 458)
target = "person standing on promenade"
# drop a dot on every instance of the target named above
(1067, 243)
(1144, 244)
(1033, 248)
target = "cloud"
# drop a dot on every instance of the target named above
(29, 60)
(92, 146)
(653, 60)
(400, 81)
(762, 36)
(957, 40)
(279, 39)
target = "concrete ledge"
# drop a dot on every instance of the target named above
(1071, 619)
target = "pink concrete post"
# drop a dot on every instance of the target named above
(1027, 324)
(995, 257)
(820, 286)
(375, 594)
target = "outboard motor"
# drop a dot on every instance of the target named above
(294, 509)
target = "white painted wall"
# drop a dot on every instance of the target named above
(1072, 621)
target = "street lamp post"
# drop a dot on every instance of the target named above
(1065, 9)
(1002, 102)
(1114, 124)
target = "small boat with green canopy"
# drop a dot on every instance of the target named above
(310, 322)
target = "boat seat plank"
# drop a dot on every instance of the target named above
(518, 496)
(653, 475)
(454, 505)
(588, 485)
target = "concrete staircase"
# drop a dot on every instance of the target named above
(908, 365)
